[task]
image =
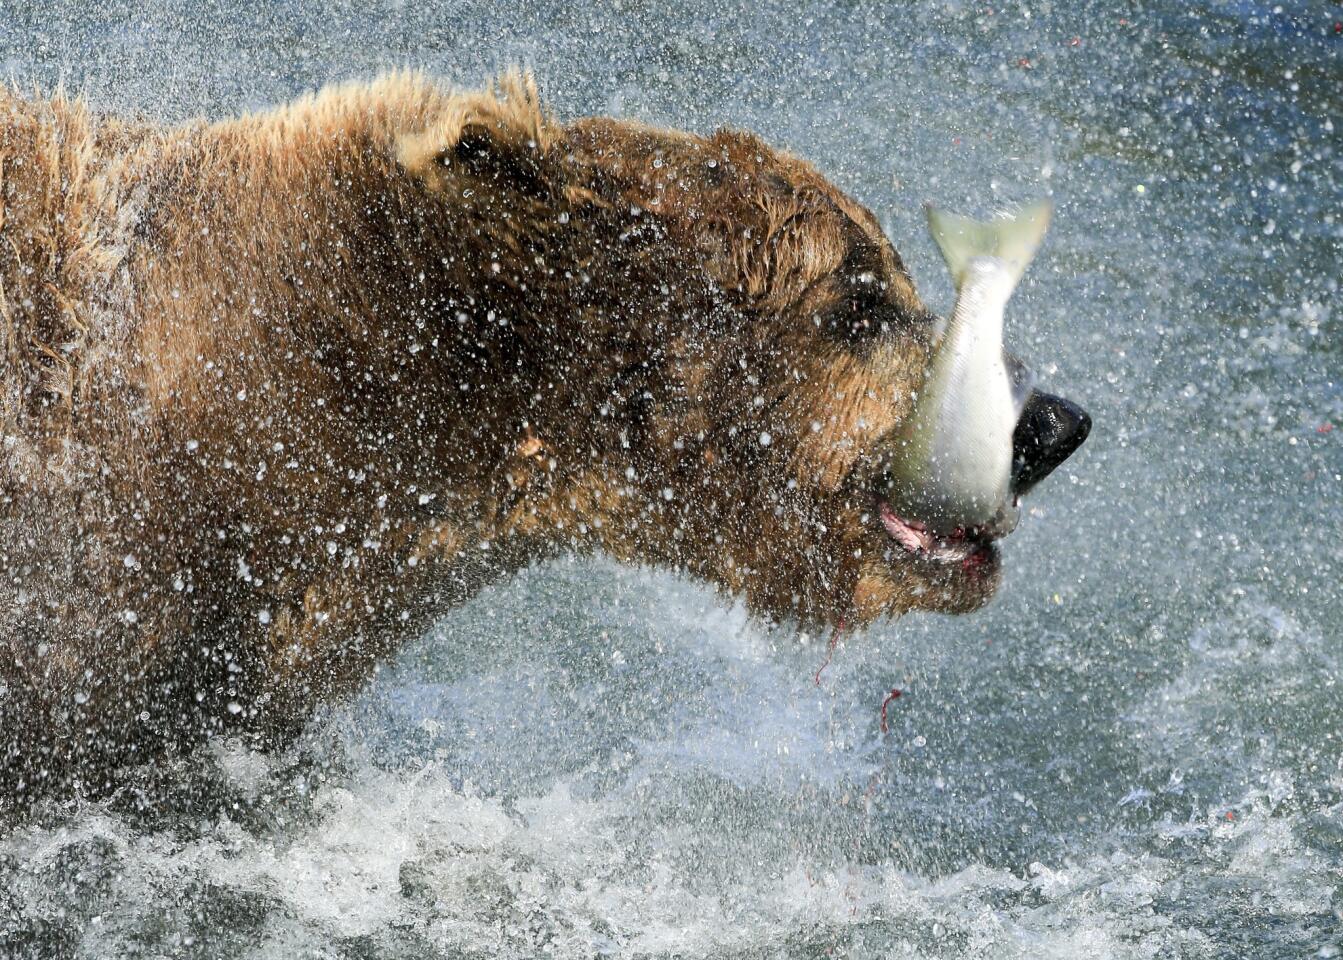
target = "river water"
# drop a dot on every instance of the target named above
(1135, 751)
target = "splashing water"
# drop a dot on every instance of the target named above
(1134, 752)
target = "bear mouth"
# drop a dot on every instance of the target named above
(971, 549)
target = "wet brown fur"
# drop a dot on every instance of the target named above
(276, 391)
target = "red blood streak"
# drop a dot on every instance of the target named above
(973, 561)
(893, 695)
(1324, 428)
(830, 649)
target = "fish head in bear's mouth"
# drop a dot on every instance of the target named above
(1048, 432)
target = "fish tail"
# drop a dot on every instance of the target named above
(1010, 240)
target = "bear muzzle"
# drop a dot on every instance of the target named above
(1048, 432)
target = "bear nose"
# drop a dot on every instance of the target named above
(1049, 430)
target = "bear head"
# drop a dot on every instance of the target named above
(705, 350)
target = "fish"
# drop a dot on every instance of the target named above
(952, 472)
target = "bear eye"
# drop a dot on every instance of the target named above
(862, 308)
(861, 312)
(860, 273)
(867, 291)
(867, 298)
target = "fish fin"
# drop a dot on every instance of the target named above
(1021, 380)
(1012, 240)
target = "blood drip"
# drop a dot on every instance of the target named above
(830, 649)
(893, 695)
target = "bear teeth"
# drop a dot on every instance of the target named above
(915, 538)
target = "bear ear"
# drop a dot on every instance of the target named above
(503, 160)
(500, 135)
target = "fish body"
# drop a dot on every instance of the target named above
(954, 468)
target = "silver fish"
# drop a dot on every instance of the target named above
(952, 471)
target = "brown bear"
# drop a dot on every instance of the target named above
(278, 390)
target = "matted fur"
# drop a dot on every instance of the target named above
(277, 390)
